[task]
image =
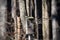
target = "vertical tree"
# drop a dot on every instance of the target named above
(54, 20)
(45, 20)
(27, 6)
(3, 15)
(18, 28)
(36, 20)
(13, 4)
(22, 13)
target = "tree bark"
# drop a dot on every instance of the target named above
(13, 4)
(45, 20)
(22, 13)
(36, 19)
(3, 15)
(18, 28)
(54, 20)
(27, 6)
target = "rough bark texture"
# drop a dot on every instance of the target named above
(22, 13)
(14, 17)
(45, 21)
(18, 28)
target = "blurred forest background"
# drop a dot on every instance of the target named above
(29, 19)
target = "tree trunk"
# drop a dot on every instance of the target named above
(45, 20)
(22, 13)
(18, 28)
(36, 19)
(3, 15)
(14, 17)
(54, 20)
(27, 6)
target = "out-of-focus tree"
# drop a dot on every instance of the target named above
(3, 4)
